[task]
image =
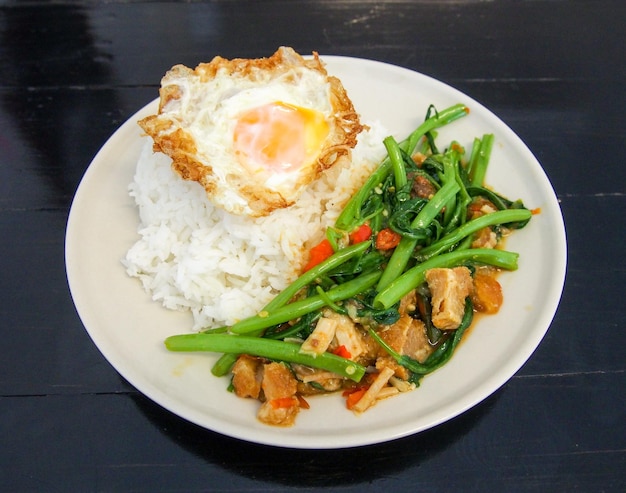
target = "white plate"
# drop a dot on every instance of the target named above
(129, 328)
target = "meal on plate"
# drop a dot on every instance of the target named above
(317, 253)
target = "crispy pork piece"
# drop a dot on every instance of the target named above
(449, 289)
(408, 303)
(485, 238)
(479, 207)
(278, 381)
(422, 187)
(487, 294)
(247, 374)
(278, 413)
(279, 387)
(407, 336)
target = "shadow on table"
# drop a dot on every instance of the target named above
(313, 468)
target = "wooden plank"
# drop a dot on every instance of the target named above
(123, 441)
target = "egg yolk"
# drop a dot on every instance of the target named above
(279, 137)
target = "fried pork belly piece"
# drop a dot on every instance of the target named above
(273, 383)
(247, 375)
(485, 238)
(479, 207)
(422, 187)
(487, 295)
(279, 387)
(449, 289)
(408, 337)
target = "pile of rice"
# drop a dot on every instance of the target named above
(223, 267)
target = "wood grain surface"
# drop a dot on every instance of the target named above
(72, 72)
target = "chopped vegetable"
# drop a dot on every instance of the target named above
(479, 159)
(353, 397)
(321, 337)
(320, 252)
(369, 397)
(363, 233)
(351, 213)
(282, 402)
(387, 239)
(402, 253)
(343, 352)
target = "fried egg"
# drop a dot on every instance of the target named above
(253, 132)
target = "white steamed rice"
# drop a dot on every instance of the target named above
(223, 267)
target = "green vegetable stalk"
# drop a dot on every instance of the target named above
(299, 308)
(401, 255)
(350, 216)
(412, 278)
(266, 348)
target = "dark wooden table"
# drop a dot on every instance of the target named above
(72, 72)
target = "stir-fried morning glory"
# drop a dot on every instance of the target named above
(388, 294)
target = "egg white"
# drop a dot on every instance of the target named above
(210, 114)
(218, 123)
